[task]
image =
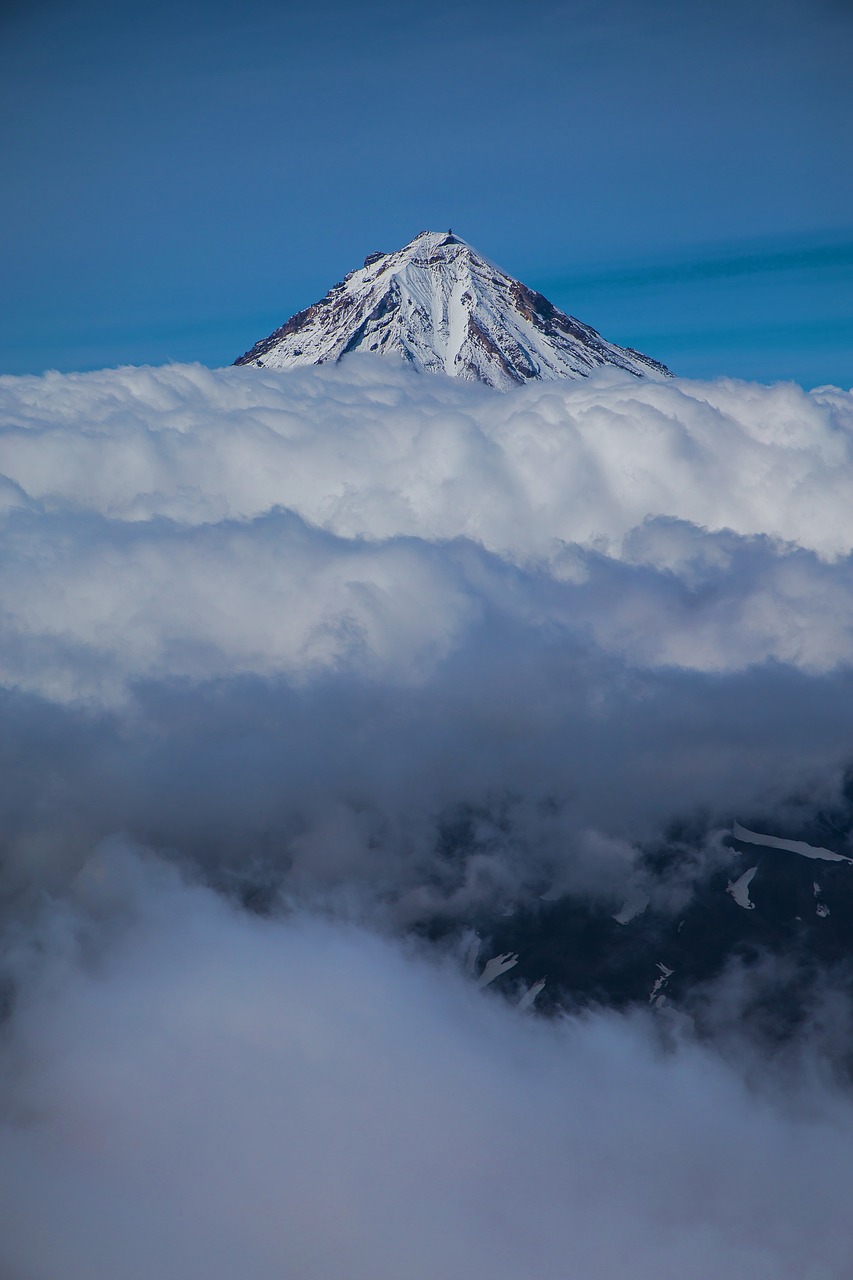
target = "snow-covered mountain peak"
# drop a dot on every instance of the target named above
(440, 305)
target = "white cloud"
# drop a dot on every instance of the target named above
(183, 522)
(399, 668)
(367, 449)
(292, 631)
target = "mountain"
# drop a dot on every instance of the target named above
(760, 941)
(439, 305)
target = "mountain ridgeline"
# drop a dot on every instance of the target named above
(440, 306)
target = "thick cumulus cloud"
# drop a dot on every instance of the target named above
(362, 450)
(183, 522)
(359, 652)
(298, 621)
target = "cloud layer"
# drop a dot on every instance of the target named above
(317, 612)
(364, 652)
(189, 522)
(361, 449)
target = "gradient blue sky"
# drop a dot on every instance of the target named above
(180, 177)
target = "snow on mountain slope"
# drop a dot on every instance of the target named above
(438, 304)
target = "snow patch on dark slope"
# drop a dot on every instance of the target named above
(439, 305)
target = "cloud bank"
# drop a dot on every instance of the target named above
(293, 665)
(366, 451)
(314, 614)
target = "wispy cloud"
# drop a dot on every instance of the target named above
(803, 256)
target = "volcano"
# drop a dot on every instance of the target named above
(442, 307)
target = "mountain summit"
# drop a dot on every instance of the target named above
(441, 306)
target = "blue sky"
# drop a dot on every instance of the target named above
(181, 177)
